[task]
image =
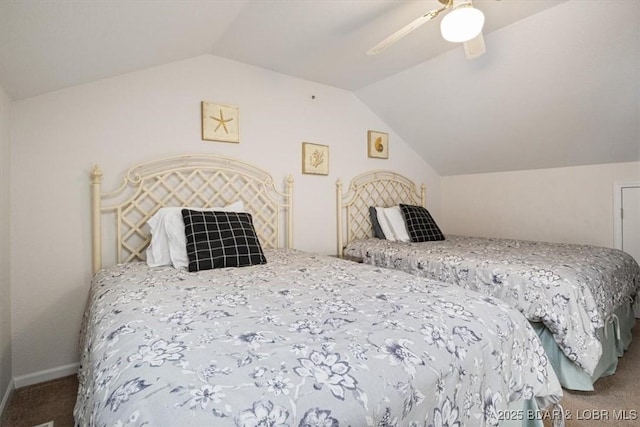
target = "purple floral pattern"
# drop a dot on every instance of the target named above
(304, 340)
(572, 289)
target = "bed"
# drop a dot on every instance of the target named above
(303, 339)
(579, 298)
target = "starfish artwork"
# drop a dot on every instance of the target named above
(220, 122)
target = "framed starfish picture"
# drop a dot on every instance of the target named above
(220, 122)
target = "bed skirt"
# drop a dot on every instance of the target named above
(615, 338)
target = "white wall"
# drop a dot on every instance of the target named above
(57, 137)
(5, 288)
(573, 204)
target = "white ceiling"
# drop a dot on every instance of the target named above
(513, 108)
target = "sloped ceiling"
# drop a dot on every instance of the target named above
(557, 87)
(560, 88)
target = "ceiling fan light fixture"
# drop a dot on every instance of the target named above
(463, 23)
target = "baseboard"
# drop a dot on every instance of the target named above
(5, 400)
(46, 375)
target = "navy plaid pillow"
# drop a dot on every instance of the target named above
(221, 239)
(420, 224)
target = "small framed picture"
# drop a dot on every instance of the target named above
(220, 122)
(378, 144)
(315, 159)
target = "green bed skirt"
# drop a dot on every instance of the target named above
(573, 377)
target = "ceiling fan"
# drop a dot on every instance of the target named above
(463, 24)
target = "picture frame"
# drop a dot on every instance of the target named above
(315, 159)
(220, 122)
(378, 144)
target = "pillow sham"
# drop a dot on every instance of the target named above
(375, 225)
(221, 239)
(420, 224)
(384, 225)
(158, 250)
(396, 223)
(168, 242)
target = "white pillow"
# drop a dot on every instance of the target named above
(392, 223)
(384, 224)
(396, 223)
(168, 240)
(158, 250)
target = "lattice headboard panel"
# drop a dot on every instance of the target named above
(202, 181)
(374, 188)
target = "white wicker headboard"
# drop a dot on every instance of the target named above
(373, 188)
(187, 180)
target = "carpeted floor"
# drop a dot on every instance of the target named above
(40, 403)
(615, 401)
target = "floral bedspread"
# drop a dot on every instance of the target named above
(572, 289)
(304, 340)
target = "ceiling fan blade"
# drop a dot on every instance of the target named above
(475, 47)
(404, 31)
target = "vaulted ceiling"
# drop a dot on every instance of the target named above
(558, 86)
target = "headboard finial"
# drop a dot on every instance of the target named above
(96, 175)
